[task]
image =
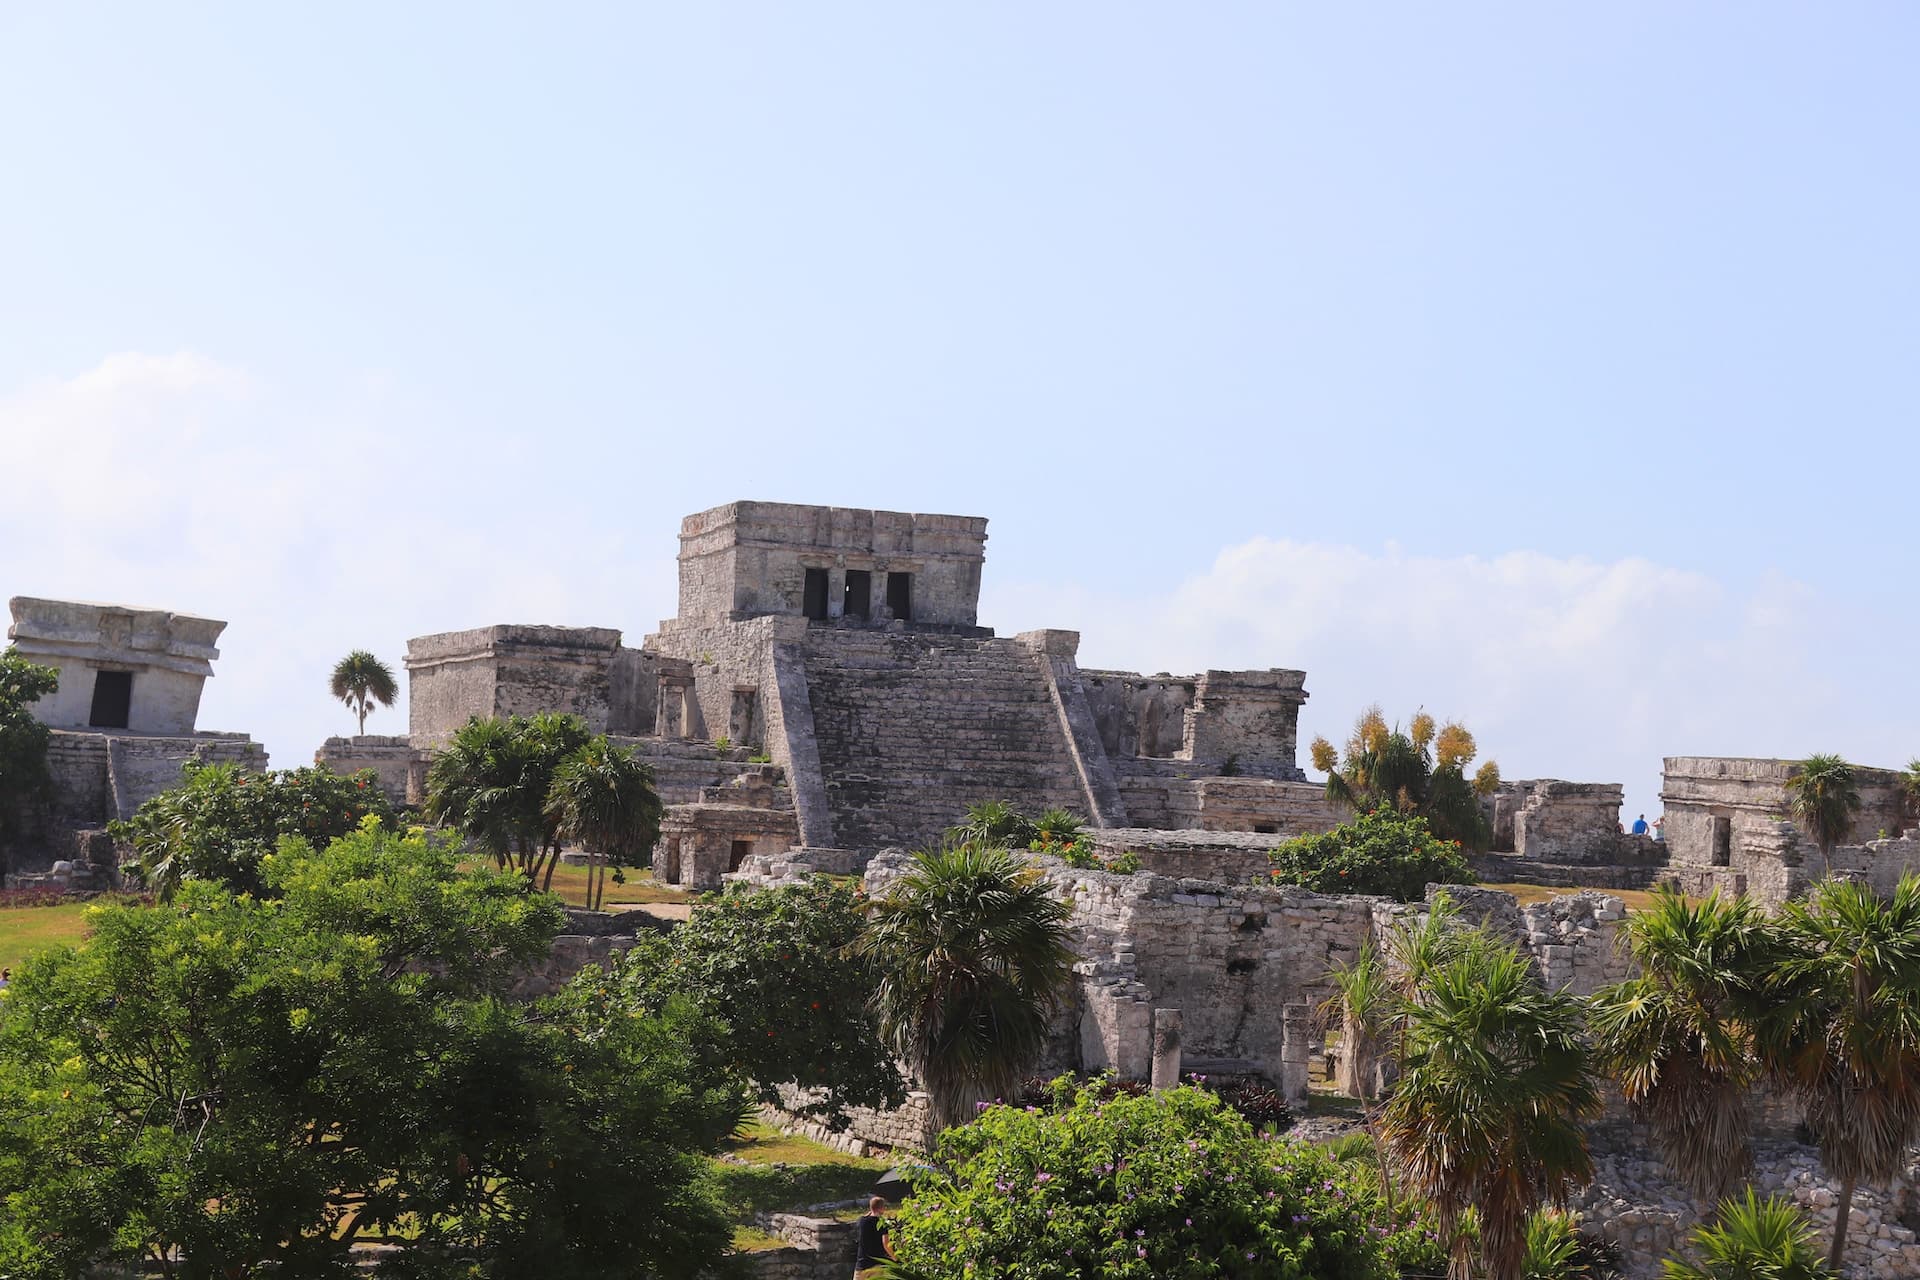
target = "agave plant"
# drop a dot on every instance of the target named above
(1751, 1239)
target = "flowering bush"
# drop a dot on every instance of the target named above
(1383, 852)
(1159, 1186)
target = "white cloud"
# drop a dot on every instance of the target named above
(1562, 667)
(312, 526)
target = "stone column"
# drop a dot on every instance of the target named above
(1296, 1026)
(1166, 1048)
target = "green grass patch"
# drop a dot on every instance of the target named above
(786, 1173)
(27, 931)
(754, 1240)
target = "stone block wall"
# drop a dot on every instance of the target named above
(1139, 715)
(508, 670)
(745, 559)
(402, 771)
(1557, 821)
(1248, 719)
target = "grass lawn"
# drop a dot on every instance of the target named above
(27, 931)
(570, 883)
(1528, 894)
(786, 1173)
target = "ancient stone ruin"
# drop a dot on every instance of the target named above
(123, 722)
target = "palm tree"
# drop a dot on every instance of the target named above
(1822, 798)
(1678, 1037)
(363, 682)
(491, 783)
(972, 950)
(1841, 1029)
(1366, 1004)
(1752, 1239)
(1422, 770)
(604, 798)
(1493, 1082)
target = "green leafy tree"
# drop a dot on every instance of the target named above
(24, 780)
(1823, 798)
(1750, 1238)
(776, 974)
(1170, 1185)
(1421, 770)
(1841, 1029)
(1485, 1115)
(602, 797)
(1679, 1036)
(998, 824)
(1381, 851)
(492, 783)
(971, 950)
(363, 682)
(240, 1084)
(223, 820)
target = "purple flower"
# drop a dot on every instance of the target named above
(1139, 1231)
(1043, 1177)
(1140, 1252)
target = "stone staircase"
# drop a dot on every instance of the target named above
(913, 728)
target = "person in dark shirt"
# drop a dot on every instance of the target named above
(872, 1249)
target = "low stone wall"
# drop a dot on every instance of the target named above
(1230, 857)
(818, 1249)
(402, 771)
(1636, 1205)
(869, 1133)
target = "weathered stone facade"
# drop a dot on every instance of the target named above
(1728, 826)
(122, 724)
(842, 646)
(399, 766)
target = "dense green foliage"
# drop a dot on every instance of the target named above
(363, 682)
(1751, 1239)
(1168, 1186)
(1493, 1083)
(969, 948)
(519, 787)
(239, 1081)
(223, 821)
(1381, 851)
(775, 972)
(1678, 1037)
(23, 739)
(1422, 770)
(1840, 1028)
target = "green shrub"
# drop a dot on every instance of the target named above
(1167, 1186)
(222, 821)
(1381, 852)
(1751, 1239)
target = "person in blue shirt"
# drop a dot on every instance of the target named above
(1640, 825)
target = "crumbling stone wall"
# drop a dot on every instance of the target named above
(1559, 821)
(1140, 715)
(508, 670)
(745, 559)
(401, 771)
(1167, 794)
(1727, 824)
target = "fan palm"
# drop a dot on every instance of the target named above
(491, 783)
(604, 798)
(363, 682)
(1486, 1113)
(972, 948)
(1678, 1038)
(1751, 1239)
(1823, 799)
(1841, 1029)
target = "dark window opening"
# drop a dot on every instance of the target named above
(1266, 828)
(112, 699)
(742, 850)
(814, 600)
(900, 596)
(859, 601)
(1241, 968)
(1253, 924)
(1722, 842)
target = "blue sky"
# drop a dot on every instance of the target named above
(1551, 369)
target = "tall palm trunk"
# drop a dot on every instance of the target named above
(362, 709)
(1844, 1209)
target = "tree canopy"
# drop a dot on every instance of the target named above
(363, 682)
(222, 821)
(1421, 770)
(238, 1081)
(23, 739)
(1381, 851)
